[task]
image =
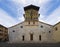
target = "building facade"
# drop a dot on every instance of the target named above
(56, 32)
(3, 33)
(31, 30)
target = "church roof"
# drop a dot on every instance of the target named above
(31, 6)
(2, 26)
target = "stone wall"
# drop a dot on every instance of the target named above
(16, 32)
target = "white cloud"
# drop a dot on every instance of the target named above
(6, 19)
(21, 19)
(27, 2)
(54, 17)
(42, 18)
(20, 1)
(44, 1)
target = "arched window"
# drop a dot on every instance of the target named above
(23, 38)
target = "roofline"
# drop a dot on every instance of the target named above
(24, 21)
(32, 5)
(3, 26)
(56, 23)
(25, 8)
(45, 23)
(16, 24)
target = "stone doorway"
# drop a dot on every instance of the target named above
(31, 37)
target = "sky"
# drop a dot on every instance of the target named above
(11, 11)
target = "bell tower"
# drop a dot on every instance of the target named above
(31, 13)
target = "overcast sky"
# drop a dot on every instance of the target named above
(11, 11)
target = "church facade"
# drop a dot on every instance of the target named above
(31, 30)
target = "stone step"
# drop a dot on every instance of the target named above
(29, 44)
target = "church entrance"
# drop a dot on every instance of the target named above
(40, 37)
(31, 37)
